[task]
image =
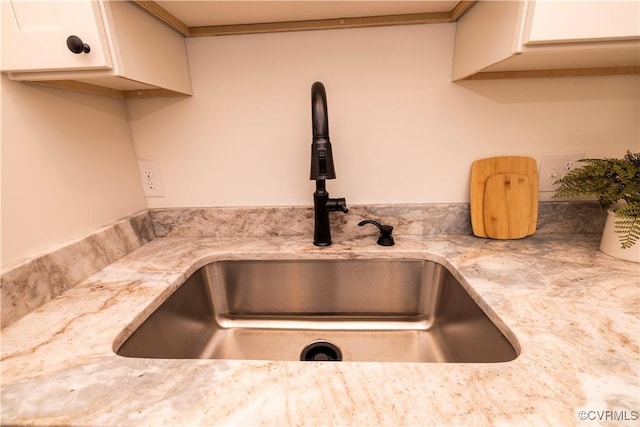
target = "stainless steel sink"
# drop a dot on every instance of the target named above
(368, 310)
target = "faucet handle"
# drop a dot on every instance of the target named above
(342, 205)
(334, 205)
(385, 239)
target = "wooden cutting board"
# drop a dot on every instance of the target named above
(504, 197)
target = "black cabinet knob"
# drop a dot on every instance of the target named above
(75, 45)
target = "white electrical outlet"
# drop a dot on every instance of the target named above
(554, 166)
(151, 179)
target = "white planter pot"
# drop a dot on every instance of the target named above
(610, 243)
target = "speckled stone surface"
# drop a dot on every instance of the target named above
(573, 311)
(33, 282)
(414, 219)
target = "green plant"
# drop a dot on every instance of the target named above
(611, 181)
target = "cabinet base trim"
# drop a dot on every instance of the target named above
(79, 87)
(151, 93)
(568, 72)
(106, 91)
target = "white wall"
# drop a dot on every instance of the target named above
(68, 167)
(401, 131)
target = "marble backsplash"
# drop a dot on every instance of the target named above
(31, 283)
(407, 219)
(26, 286)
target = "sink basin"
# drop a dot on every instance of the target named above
(350, 310)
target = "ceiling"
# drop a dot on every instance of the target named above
(223, 12)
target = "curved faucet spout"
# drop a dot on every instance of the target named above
(319, 111)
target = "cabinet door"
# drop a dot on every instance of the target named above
(581, 21)
(34, 35)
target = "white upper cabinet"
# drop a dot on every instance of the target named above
(126, 52)
(34, 36)
(547, 38)
(581, 21)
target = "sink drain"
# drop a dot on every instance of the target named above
(321, 351)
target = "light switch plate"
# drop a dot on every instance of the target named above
(151, 178)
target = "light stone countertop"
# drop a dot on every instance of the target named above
(574, 311)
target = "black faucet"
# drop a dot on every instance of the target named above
(322, 167)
